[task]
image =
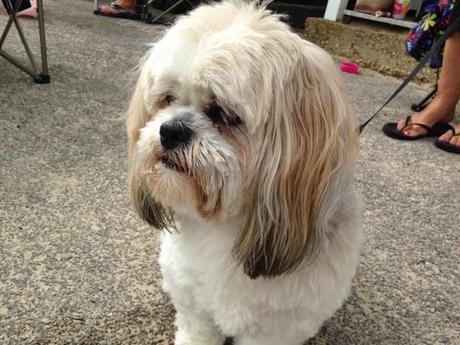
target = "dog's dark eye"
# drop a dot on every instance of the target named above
(234, 120)
(215, 114)
(219, 117)
(169, 99)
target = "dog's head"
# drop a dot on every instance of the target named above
(235, 117)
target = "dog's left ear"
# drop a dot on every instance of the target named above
(310, 138)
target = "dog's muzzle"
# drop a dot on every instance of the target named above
(175, 133)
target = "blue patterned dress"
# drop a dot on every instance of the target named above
(429, 28)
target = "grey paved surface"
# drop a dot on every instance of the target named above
(77, 267)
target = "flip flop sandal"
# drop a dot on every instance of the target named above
(120, 12)
(391, 130)
(448, 146)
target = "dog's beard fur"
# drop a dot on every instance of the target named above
(278, 160)
(198, 175)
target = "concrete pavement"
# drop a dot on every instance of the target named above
(78, 267)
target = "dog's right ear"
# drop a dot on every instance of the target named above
(140, 196)
(137, 117)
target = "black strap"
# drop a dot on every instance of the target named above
(407, 124)
(453, 26)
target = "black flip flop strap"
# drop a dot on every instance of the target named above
(452, 129)
(407, 124)
(453, 26)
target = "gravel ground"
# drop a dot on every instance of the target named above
(78, 267)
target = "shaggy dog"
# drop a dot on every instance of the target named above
(242, 147)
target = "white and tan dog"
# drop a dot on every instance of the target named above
(242, 146)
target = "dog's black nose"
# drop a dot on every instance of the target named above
(174, 133)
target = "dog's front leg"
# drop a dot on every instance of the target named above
(196, 329)
(286, 338)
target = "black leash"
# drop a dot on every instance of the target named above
(453, 26)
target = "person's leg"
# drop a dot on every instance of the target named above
(442, 107)
(452, 61)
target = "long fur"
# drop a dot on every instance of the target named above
(262, 198)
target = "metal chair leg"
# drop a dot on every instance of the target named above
(417, 107)
(44, 75)
(39, 77)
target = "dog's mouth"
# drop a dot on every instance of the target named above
(170, 164)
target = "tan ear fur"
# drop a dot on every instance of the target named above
(145, 204)
(309, 139)
(137, 116)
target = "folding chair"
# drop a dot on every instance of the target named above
(417, 107)
(40, 76)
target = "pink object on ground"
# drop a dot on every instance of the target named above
(349, 67)
(29, 12)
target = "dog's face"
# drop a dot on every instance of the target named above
(236, 118)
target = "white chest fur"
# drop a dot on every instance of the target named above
(201, 275)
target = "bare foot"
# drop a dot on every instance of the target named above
(450, 138)
(116, 6)
(439, 110)
(128, 4)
